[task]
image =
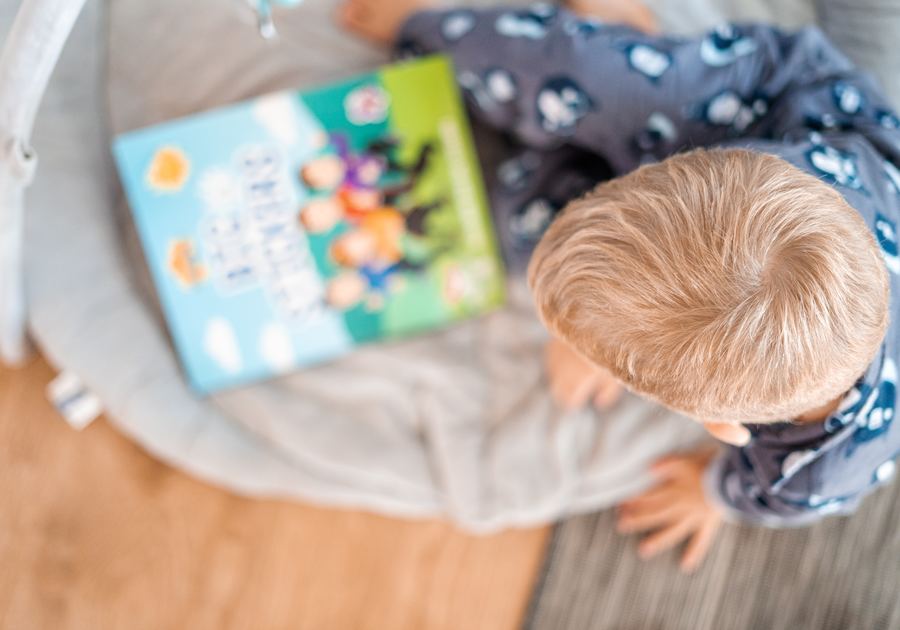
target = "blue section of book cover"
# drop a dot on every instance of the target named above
(187, 174)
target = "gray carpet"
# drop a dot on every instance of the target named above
(843, 573)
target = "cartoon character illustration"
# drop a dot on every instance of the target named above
(367, 105)
(365, 170)
(728, 109)
(346, 290)
(182, 263)
(886, 231)
(407, 173)
(344, 167)
(724, 45)
(461, 283)
(834, 166)
(375, 251)
(169, 170)
(658, 132)
(321, 214)
(561, 104)
(377, 239)
(531, 23)
(325, 172)
(647, 60)
(359, 201)
(848, 98)
(358, 184)
(370, 262)
(455, 285)
(365, 191)
(457, 24)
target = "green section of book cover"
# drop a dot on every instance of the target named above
(427, 107)
(444, 265)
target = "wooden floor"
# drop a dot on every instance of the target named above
(95, 534)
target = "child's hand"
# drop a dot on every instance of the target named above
(574, 379)
(676, 510)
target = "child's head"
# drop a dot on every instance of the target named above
(728, 285)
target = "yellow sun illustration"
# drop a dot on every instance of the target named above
(168, 170)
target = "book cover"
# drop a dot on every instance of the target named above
(288, 229)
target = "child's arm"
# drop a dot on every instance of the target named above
(776, 481)
(574, 380)
(786, 485)
(550, 77)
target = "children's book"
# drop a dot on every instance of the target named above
(288, 229)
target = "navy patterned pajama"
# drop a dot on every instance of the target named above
(582, 100)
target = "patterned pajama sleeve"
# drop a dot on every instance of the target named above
(557, 83)
(795, 474)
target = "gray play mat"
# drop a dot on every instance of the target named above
(457, 423)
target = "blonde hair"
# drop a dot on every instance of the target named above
(726, 284)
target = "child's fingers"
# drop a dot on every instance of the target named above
(648, 519)
(699, 545)
(607, 395)
(671, 467)
(666, 538)
(653, 499)
(571, 391)
(568, 395)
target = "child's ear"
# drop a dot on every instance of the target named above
(734, 434)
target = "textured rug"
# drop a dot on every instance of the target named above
(843, 573)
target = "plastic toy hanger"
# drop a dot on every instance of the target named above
(264, 21)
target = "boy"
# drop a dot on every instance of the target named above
(748, 287)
